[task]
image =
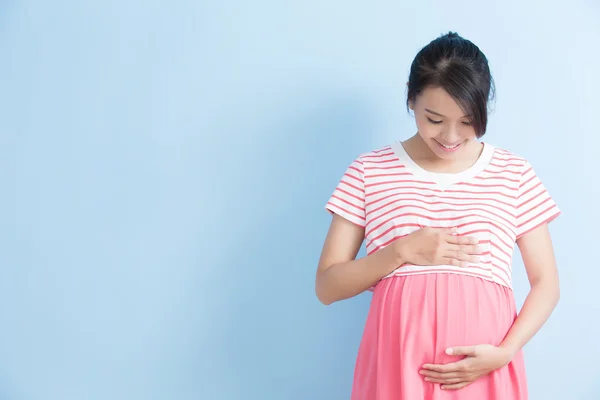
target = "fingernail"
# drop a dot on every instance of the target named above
(449, 352)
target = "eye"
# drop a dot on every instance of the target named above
(467, 123)
(433, 121)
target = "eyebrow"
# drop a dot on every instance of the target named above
(436, 113)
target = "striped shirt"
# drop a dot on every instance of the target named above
(498, 200)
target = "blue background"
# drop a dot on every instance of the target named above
(164, 168)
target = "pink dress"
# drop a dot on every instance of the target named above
(417, 312)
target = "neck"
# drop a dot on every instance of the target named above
(420, 152)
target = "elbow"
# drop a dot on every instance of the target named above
(549, 284)
(554, 293)
(557, 292)
(323, 297)
(322, 292)
(325, 301)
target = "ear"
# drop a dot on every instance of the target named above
(411, 104)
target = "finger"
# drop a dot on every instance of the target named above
(462, 351)
(445, 368)
(441, 375)
(460, 256)
(455, 386)
(471, 249)
(462, 240)
(454, 261)
(449, 231)
(464, 253)
(451, 381)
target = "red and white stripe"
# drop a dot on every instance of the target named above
(499, 204)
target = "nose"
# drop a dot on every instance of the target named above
(450, 134)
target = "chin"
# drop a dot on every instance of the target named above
(446, 157)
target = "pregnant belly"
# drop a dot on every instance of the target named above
(417, 317)
(414, 319)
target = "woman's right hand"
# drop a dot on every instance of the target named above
(437, 246)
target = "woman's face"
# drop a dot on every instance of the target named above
(442, 124)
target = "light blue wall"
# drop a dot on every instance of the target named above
(164, 167)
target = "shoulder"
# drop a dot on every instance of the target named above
(509, 161)
(364, 163)
(378, 154)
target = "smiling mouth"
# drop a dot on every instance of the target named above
(448, 148)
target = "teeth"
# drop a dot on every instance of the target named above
(449, 147)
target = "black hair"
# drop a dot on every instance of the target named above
(458, 66)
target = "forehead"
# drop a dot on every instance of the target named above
(438, 100)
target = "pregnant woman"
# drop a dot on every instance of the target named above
(440, 214)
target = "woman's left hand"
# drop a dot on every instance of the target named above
(480, 360)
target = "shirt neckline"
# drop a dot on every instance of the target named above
(441, 179)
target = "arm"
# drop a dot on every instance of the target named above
(339, 274)
(538, 257)
(535, 209)
(540, 264)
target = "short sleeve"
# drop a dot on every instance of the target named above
(535, 206)
(348, 198)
